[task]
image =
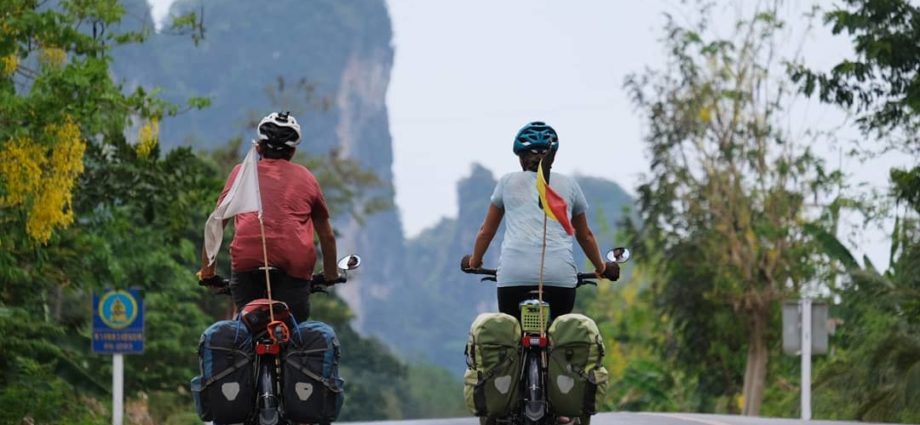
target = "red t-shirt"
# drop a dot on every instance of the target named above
(291, 201)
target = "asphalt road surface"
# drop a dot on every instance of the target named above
(642, 419)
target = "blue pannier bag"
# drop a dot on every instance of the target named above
(225, 391)
(311, 387)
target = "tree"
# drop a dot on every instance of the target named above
(879, 364)
(86, 205)
(875, 373)
(726, 201)
(882, 83)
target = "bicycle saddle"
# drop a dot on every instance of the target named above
(256, 314)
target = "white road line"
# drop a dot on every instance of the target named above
(686, 418)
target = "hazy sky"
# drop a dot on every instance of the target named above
(468, 74)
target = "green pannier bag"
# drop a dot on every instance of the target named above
(577, 377)
(493, 359)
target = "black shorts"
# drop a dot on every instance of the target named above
(250, 285)
(561, 300)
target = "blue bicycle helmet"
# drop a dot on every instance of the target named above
(536, 136)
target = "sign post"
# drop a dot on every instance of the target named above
(118, 329)
(805, 333)
(806, 359)
(118, 389)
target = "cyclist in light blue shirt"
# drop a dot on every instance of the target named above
(515, 198)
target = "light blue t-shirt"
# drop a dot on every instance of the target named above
(519, 264)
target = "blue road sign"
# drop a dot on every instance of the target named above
(118, 322)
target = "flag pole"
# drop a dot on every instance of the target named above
(542, 261)
(540, 287)
(268, 284)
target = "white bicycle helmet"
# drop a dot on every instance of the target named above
(279, 131)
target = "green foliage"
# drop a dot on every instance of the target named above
(882, 83)
(40, 374)
(626, 317)
(44, 397)
(906, 186)
(131, 236)
(189, 24)
(433, 393)
(875, 373)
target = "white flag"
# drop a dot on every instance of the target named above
(242, 197)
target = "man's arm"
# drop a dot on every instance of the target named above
(327, 245)
(486, 232)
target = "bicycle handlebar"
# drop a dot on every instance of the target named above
(583, 278)
(317, 284)
(488, 272)
(220, 284)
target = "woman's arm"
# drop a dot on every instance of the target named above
(486, 233)
(586, 240)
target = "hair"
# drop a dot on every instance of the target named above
(270, 152)
(531, 160)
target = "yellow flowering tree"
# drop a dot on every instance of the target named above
(85, 204)
(55, 92)
(39, 178)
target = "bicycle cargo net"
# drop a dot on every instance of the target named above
(530, 316)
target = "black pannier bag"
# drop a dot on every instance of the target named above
(311, 386)
(225, 391)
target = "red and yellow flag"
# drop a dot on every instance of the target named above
(553, 204)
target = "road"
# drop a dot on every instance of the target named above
(641, 419)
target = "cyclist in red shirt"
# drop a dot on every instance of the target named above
(293, 207)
